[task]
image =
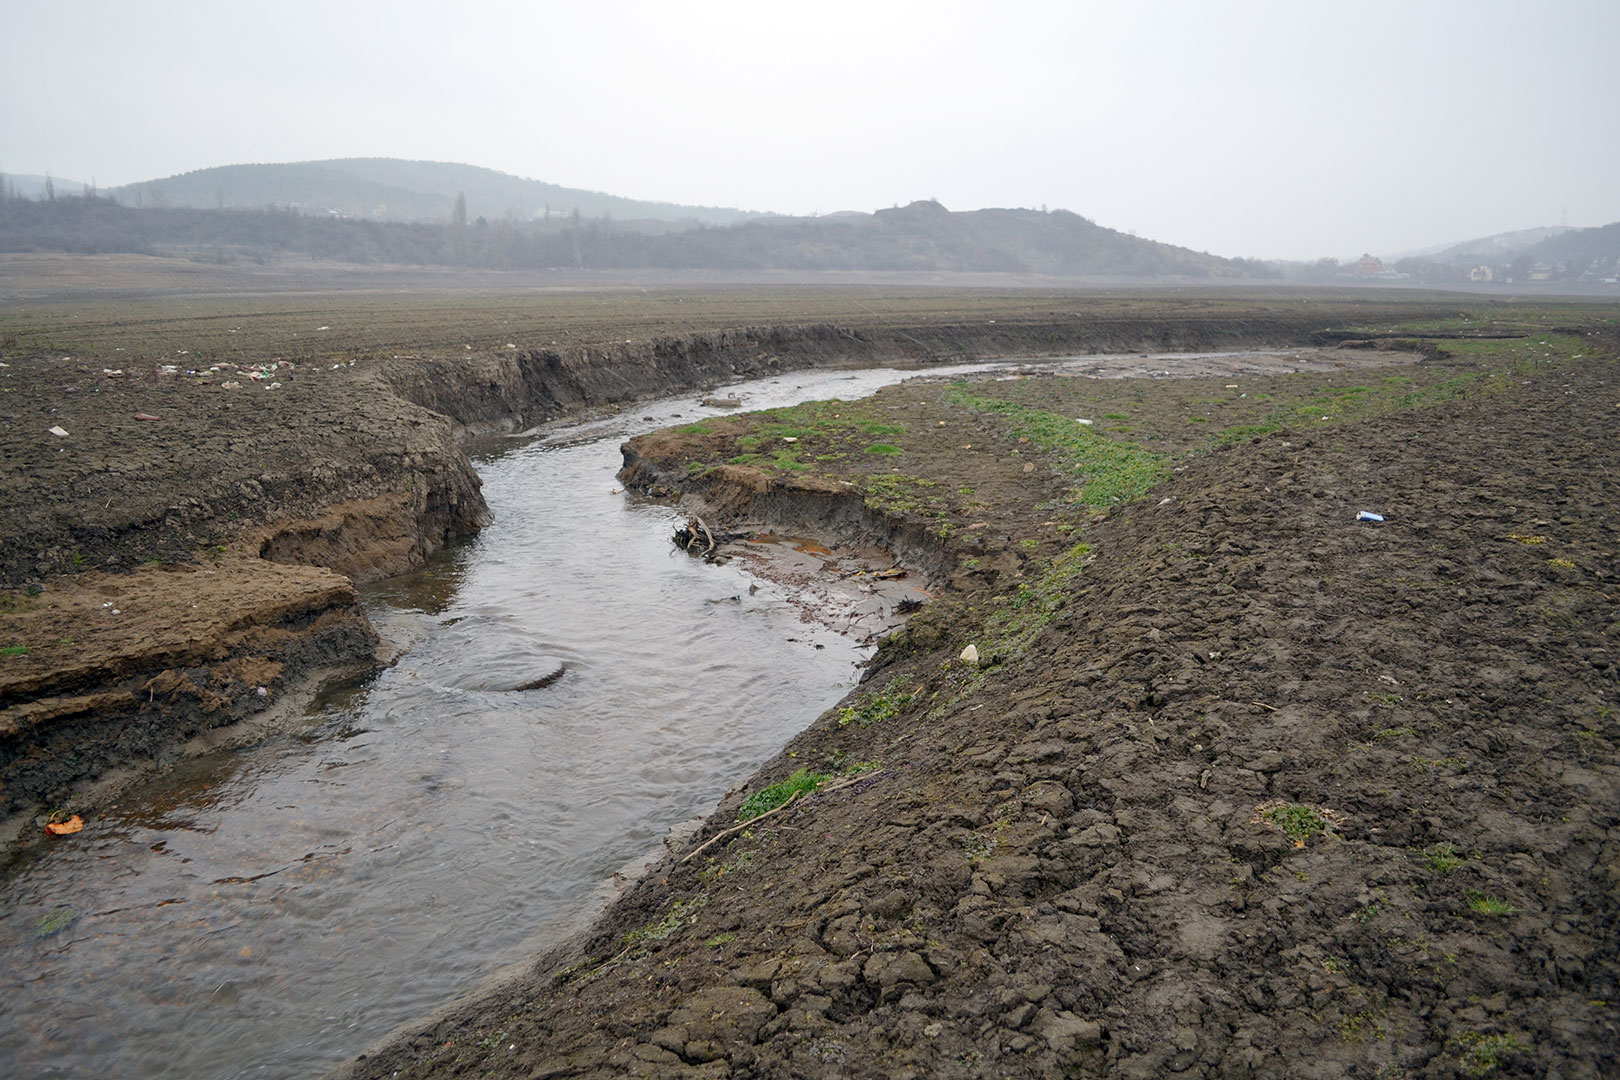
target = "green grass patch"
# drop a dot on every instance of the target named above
(764, 801)
(14, 650)
(1113, 471)
(1482, 1054)
(1297, 821)
(1489, 906)
(682, 911)
(1443, 858)
(898, 493)
(1022, 614)
(873, 710)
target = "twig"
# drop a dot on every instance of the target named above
(717, 837)
(1263, 705)
(751, 822)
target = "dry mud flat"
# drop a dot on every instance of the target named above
(1242, 787)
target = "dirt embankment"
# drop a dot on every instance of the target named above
(1241, 786)
(167, 486)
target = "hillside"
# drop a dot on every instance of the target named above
(922, 237)
(391, 189)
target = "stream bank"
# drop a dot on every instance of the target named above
(1241, 785)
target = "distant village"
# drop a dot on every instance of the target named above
(1520, 269)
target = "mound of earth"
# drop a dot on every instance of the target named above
(1240, 785)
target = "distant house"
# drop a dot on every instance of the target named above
(1482, 273)
(1369, 266)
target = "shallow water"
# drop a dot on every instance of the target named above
(270, 911)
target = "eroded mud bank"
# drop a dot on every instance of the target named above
(353, 466)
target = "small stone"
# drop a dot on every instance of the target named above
(970, 655)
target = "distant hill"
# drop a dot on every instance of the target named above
(1582, 259)
(33, 186)
(923, 236)
(926, 236)
(1494, 248)
(390, 189)
(1597, 248)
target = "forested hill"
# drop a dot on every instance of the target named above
(921, 237)
(391, 189)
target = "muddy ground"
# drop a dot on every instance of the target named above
(1081, 855)
(1241, 785)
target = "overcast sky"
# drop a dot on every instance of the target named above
(1291, 129)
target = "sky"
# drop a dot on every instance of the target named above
(1293, 130)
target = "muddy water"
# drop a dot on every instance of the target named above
(268, 912)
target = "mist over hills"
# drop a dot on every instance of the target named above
(381, 210)
(392, 211)
(391, 189)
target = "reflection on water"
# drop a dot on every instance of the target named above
(266, 912)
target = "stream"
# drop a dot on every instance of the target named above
(269, 911)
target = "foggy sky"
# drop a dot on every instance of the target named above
(1270, 129)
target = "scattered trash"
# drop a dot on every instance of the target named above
(113, 373)
(262, 691)
(65, 827)
(1368, 515)
(970, 654)
(57, 431)
(790, 438)
(323, 328)
(168, 369)
(230, 384)
(1079, 420)
(146, 416)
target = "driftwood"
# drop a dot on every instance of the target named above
(696, 538)
(824, 789)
